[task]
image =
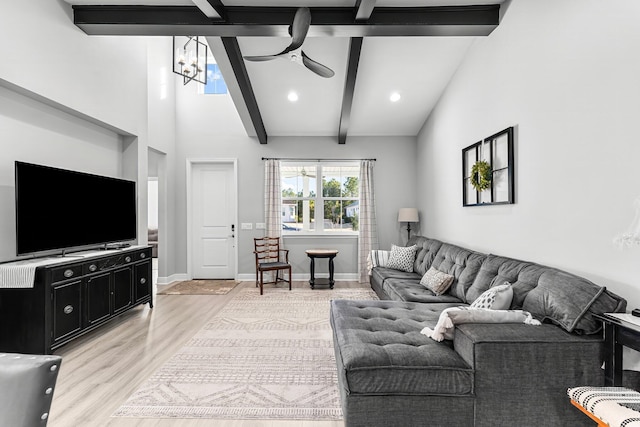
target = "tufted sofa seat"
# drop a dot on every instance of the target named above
(490, 374)
(382, 347)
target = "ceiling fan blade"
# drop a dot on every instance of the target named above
(316, 67)
(299, 28)
(260, 58)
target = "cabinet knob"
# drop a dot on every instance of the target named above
(93, 267)
(143, 281)
(68, 309)
(68, 273)
(143, 255)
(127, 259)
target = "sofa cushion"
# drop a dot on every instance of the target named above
(436, 281)
(382, 351)
(427, 250)
(522, 275)
(495, 298)
(410, 290)
(565, 299)
(462, 263)
(382, 273)
(402, 258)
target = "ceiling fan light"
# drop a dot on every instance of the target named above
(395, 97)
(293, 97)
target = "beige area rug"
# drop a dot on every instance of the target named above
(200, 287)
(262, 357)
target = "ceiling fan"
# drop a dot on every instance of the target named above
(293, 52)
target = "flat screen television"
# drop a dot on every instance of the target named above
(61, 209)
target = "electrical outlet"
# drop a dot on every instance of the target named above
(246, 226)
(261, 226)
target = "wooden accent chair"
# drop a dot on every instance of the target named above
(269, 257)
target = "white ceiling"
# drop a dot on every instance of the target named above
(419, 68)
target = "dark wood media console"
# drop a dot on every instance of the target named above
(73, 297)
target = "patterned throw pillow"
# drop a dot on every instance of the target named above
(377, 258)
(436, 281)
(496, 298)
(402, 258)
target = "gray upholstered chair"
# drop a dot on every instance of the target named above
(26, 388)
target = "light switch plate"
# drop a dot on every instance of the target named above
(260, 226)
(246, 226)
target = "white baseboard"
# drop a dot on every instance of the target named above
(346, 277)
(172, 278)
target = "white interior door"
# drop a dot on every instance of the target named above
(213, 215)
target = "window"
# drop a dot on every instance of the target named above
(320, 198)
(215, 81)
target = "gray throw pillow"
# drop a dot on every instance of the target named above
(436, 281)
(402, 258)
(496, 298)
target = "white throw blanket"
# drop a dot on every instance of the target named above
(452, 316)
(21, 274)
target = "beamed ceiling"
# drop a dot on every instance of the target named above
(412, 47)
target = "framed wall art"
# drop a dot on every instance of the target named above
(488, 171)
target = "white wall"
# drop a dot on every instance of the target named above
(209, 127)
(162, 140)
(565, 73)
(103, 77)
(36, 133)
(152, 203)
(68, 100)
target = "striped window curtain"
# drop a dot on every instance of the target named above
(272, 198)
(368, 239)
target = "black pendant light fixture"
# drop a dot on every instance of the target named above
(190, 59)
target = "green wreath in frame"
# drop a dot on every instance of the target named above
(481, 175)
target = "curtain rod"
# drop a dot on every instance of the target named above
(316, 160)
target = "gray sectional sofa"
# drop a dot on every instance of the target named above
(490, 374)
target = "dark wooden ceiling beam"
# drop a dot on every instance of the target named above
(212, 9)
(242, 77)
(349, 88)
(274, 21)
(364, 9)
(219, 7)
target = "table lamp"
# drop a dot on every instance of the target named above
(408, 215)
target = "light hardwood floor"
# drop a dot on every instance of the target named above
(102, 369)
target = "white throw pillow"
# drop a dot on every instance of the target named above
(377, 258)
(402, 258)
(496, 298)
(436, 281)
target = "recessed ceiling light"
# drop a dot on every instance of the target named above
(293, 97)
(395, 97)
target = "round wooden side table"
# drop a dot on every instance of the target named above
(321, 253)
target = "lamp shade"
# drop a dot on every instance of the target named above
(408, 215)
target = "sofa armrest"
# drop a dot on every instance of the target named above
(515, 363)
(483, 345)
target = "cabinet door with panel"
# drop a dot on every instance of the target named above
(72, 297)
(67, 312)
(98, 298)
(122, 289)
(143, 281)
